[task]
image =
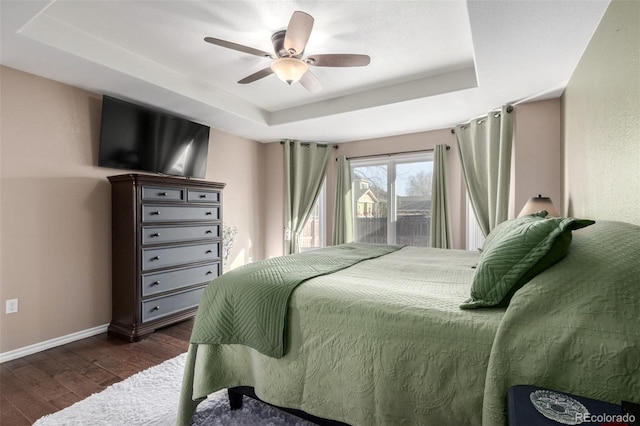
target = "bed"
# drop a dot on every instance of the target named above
(385, 342)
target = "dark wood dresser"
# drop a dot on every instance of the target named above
(166, 247)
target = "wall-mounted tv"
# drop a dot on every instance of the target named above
(133, 137)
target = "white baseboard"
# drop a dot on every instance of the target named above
(52, 343)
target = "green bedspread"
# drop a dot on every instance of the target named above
(576, 326)
(249, 305)
(384, 342)
(366, 342)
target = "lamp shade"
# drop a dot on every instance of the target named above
(289, 70)
(535, 204)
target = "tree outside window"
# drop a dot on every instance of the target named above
(392, 197)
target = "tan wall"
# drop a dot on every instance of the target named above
(537, 154)
(55, 230)
(238, 162)
(56, 209)
(601, 121)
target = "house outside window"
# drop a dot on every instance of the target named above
(392, 199)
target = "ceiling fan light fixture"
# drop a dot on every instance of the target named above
(289, 70)
(288, 62)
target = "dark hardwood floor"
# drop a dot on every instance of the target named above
(48, 381)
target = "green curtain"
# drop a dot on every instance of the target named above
(440, 231)
(485, 153)
(343, 211)
(305, 168)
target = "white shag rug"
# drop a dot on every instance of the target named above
(151, 398)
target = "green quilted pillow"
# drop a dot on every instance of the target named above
(517, 251)
(510, 224)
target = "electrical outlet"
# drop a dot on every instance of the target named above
(11, 306)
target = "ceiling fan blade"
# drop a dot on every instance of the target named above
(338, 60)
(310, 82)
(298, 32)
(256, 76)
(238, 47)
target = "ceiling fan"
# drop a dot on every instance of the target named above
(288, 62)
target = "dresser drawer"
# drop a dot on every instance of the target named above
(158, 193)
(203, 196)
(173, 234)
(173, 256)
(167, 305)
(155, 213)
(165, 281)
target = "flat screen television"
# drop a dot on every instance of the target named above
(133, 137)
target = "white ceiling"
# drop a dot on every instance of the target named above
(433, 63)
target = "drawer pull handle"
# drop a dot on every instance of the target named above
(203, 195)
(209, 213)
(209, 251)
(209, 273)
(156, 213)
(155, 283)
(155, 258)
(162, 194)
(156, 308)
(155, 234)
(209, 231)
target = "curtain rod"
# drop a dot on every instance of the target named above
(309, 143)
(394, 153)
(481, 118)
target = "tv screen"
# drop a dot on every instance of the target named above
(133, 137)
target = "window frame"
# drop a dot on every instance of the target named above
(391, 161)
(321, 205)
(474, 237)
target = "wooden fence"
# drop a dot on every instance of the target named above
(410, 230)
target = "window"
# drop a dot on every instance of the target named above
(475, 237)
(392, 199)
(313, 234)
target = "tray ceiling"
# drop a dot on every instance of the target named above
(433, 63)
